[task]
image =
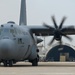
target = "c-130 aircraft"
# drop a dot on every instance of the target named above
(19, 42)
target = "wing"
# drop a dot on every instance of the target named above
(41, 30)
(45, 31)
(70, 30)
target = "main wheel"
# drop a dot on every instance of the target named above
(10, 63)
(35, 62)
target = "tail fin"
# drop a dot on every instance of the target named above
(23, 19)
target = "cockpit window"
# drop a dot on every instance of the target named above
(12, 31)
(15, 31)
(6, 30)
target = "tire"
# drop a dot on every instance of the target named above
(5, 63)
(35, 62)
(10, 63)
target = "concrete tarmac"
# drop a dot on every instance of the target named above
(44, 68)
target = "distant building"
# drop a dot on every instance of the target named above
(61, 53)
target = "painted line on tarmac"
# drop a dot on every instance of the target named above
(37, 73)
(49, 73)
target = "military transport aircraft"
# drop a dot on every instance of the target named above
(19, 42)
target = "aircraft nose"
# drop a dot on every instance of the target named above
(6, 48)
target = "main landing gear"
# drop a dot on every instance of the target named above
(35, 61)
(8, 63)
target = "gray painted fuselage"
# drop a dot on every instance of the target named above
(16, 43)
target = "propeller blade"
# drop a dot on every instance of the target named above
(66, 36)
(51, 41)
(61, 24)
(55, 24)
(58, 31)
(48, 26)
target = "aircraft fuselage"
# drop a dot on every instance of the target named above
(16, 43)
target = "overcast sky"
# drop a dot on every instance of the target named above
(39, 11)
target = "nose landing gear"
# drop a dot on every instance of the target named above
(5, 63)
(8, 63)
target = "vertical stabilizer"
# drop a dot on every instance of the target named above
(23, 19)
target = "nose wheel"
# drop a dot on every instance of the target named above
(5, 63)
(8, 63)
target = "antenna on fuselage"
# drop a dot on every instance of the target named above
(23, 18)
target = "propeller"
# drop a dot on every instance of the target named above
(57, 31)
